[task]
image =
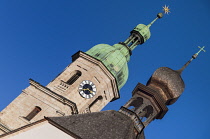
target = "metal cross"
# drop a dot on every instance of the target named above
(193, 57)
(201, 49)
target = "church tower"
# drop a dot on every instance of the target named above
(88, 84)
(150, 102)
(146, 104)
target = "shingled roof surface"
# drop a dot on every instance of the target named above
(99, 125)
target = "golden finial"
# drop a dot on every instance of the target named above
(166, 9)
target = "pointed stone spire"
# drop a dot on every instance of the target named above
(193, 57)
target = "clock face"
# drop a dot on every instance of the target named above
(87, 89)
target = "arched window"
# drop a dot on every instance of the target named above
(33, 113)
(95, 105)
(145, 114)
(135, 103)
(75, 76)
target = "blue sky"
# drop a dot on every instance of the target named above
(37, 39)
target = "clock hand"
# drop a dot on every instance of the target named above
(88, 90)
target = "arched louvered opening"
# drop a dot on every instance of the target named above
(33, 113)
(95, 105)
(135, 103)
(146, 113)
(74, 77)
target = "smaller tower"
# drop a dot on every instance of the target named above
(150, 102)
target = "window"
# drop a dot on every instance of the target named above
(146, 113)
(33, 113)
(96, 104)
(75, 76)
(135, 104)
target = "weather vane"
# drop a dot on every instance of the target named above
(166, 9)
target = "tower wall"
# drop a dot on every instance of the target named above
(62, 96)
(14, 115)
(91, 70)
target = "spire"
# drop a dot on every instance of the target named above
(166, 10)
(159, 15)
(141, 33)
(115, 57)
(168, 82)
(193, 57)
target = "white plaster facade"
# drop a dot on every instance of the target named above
(43, 130)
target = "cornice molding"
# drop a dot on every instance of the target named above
(104, 69)
(54, 95)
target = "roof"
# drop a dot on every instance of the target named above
(99, 125)
(115, 59)
(170, 81)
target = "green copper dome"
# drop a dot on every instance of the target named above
(115, 58)
(143, 30)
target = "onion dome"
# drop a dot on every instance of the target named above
(168, 83)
